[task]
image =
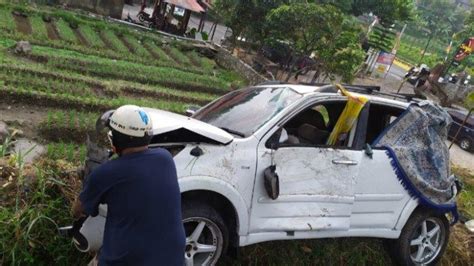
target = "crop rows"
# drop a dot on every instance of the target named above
(130, 46)
(71, 126)
(70, 152)
(117, 69)
(81, 85)
(87, 103)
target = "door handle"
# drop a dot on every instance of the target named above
(346, 162)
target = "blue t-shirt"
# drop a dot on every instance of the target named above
(143, 225)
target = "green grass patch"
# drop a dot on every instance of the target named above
(38, 28)
(117, 45)
(70, 152)
(6, 20)
(65, 32)
(137, 46)
(92, 36)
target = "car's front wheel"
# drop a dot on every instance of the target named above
(206, 234)
(423, 239)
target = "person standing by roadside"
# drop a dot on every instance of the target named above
(140, 188)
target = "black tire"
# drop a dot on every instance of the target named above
(214, 233)
(405, 249)
(465, 144)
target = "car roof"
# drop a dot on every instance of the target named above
(460, 115)
(324, 90)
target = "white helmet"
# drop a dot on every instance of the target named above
(131, 120)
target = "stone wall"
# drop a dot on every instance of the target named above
(226, 60)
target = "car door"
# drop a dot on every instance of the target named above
(316, 187)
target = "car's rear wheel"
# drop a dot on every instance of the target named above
(423, 239)
(206, 234)
(465, 144)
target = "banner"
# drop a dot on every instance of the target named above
(464, 50)
(384, 61)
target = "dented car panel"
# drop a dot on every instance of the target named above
(167, 122)
(323, 191)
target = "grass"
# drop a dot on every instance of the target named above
(117, 45)
(79, 82)
(65, 32)
(39, 28)
(92, 36)
(34, 203)
(360, 251)
(6, 20)
(71, 152)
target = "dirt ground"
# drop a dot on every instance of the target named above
(24, 118)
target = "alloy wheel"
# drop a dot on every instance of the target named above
(204, 241)
(464, 144)
(427, 241)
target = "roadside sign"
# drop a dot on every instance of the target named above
(465, 49)
(384, 61)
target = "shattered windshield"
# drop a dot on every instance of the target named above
(244, 111)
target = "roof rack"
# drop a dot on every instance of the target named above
(368, 88)
(363, 89)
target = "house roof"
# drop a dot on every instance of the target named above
(192, 5)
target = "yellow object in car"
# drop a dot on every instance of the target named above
(349, 115)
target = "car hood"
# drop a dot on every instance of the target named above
(166, 122)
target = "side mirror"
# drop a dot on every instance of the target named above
(191, 110)
(271, 182)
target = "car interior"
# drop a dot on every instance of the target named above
(312, 126)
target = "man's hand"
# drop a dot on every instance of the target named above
(77, 209)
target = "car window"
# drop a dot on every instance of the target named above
(380, 117)
(244, 111)
(312, 126)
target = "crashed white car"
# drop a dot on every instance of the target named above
(254, 166)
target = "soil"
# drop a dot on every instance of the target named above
(22, 24)
(52, 31)
(125, 42)
(80, 37)
(24, 117)
(102, 92)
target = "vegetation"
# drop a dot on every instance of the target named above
(325, 32)
(116, 66)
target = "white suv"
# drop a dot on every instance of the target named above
(253, 166)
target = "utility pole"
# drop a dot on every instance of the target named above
(426, 47)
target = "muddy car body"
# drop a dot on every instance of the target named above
(224, 152)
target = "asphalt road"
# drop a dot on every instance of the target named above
(396, 72)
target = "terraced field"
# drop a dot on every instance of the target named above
(80, 66)
(89, 65)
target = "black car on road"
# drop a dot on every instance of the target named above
(465, 137)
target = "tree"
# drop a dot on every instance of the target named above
(235, 14)
(246, 17)
(322, 30)
(388, 11)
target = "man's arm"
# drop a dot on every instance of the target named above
(88, 201)
(77, 209)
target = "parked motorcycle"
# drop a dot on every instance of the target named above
(417, 76)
